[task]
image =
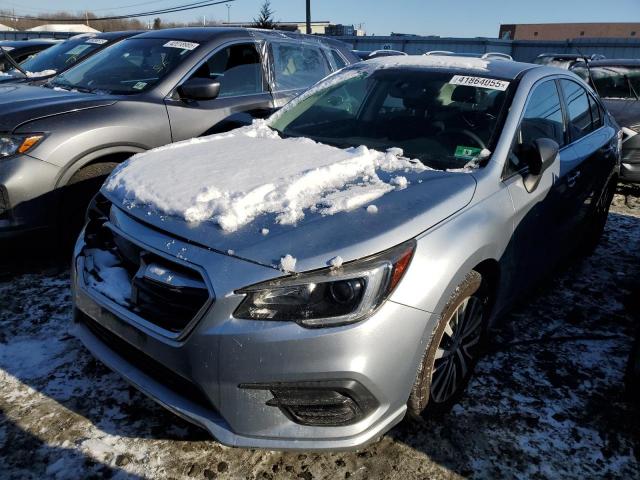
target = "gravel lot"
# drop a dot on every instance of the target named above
(547, 400)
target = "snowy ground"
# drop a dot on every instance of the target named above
(547, 400)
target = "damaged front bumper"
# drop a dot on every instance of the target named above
(255, 384)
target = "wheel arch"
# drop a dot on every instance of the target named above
(114, 154)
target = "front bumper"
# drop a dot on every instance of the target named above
(27, 195)
(220, 354)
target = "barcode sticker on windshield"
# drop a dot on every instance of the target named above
(97, 41)
(481, 82)
(181, 45)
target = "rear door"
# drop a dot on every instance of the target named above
(295, 67)
(589, 159)
(243, 94)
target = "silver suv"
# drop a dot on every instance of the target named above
(339, 265)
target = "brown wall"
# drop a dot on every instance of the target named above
(564, 31)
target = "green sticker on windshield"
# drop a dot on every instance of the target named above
(467, 152)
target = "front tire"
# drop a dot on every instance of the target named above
(453, 352)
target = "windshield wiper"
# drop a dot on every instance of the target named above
(13, 62)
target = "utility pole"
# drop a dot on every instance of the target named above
(308, 17)
(228, 13)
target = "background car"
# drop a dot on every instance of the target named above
(564, 60)
(62, 56)
(164, 86)
(20, 50)
(369, 54)
(410, 202)
(492, 55)
(618, 84)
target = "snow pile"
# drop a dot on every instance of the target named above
(372, 209)
(288, 263)
(431, 61)
(44, 73)
(336, 262)
(234, 177)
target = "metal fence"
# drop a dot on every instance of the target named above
(521, 50)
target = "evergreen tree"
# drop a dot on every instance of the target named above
(265, 19)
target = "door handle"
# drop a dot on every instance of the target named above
(572, 179)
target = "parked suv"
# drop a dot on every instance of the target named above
(61, 57)
(307, 281)
(618, 84)
(59, 140)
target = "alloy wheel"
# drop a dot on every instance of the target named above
(458, 349)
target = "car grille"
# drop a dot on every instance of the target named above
(143, 362)
(158, 290)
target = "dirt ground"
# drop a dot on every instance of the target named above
(547, 400)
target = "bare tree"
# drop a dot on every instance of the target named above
(265, 19)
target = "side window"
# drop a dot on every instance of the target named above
(340, 63)
(578, 109)
(596, 113)
(237, 68)
(297, 66)
(542, 119)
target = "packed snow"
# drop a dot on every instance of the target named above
(44, 73)
(372, 209)
(234, 177)
(288, 263)
(336, 262)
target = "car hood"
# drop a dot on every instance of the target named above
(626, 112)
(352, 229)
(21, 104)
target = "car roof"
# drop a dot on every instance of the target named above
(205, 34)
(499, 68)
(109, 35)
(563, 56)
(622, 62)
(27, 43)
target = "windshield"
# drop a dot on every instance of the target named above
(613, 82)
(60, 56)
(131, 66)
(437, 118)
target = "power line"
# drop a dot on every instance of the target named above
(13, 5)
(179, 8)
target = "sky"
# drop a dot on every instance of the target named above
(459, 18)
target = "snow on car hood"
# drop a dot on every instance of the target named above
(262, 197)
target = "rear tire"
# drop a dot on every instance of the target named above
(453, 352)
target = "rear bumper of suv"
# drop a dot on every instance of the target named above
(247, 382)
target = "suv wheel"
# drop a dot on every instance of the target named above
(453, 352)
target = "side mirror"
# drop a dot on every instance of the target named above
(199, 89)
(539, 157)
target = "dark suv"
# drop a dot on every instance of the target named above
(618, 84)
(60, 140)
(20, 50)
(61, 57)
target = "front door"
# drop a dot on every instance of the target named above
(243, 94)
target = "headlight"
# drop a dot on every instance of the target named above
(331, 296)
(12, 144)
